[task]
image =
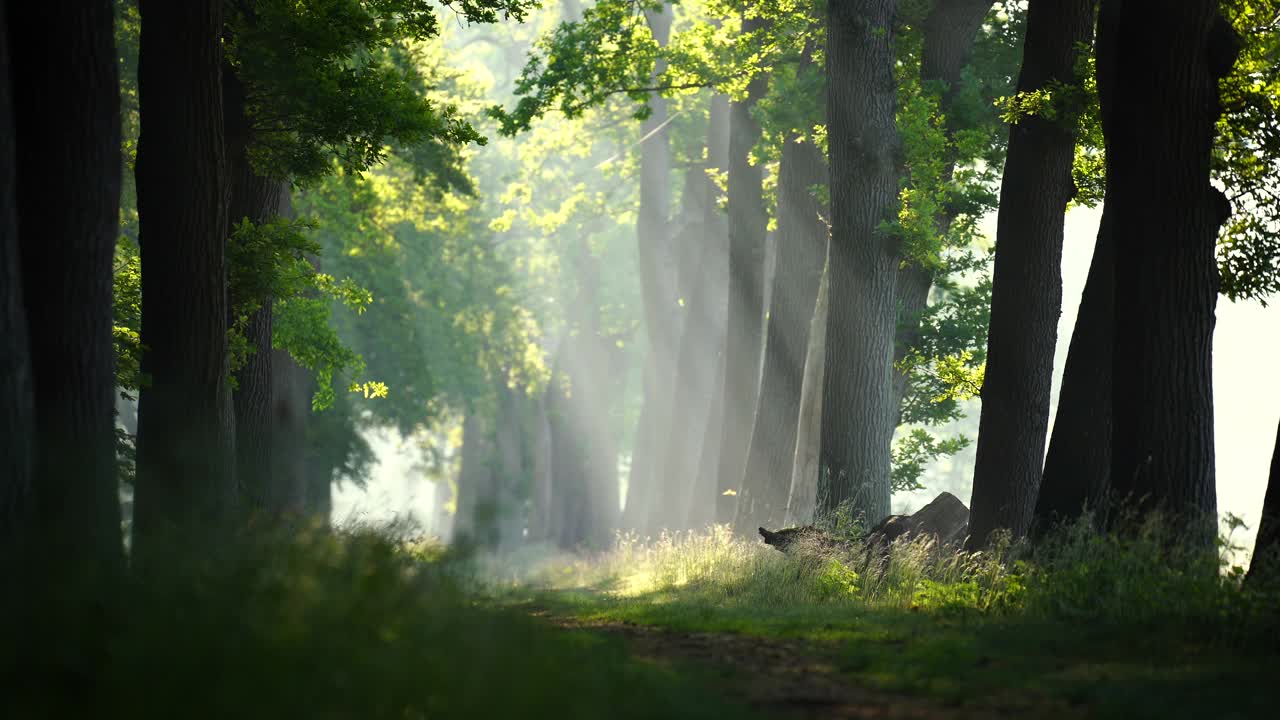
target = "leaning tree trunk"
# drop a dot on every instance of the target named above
(16, 409)
(185, 477)
(949, 34)
(802, 250)
(1265, 566)
(1078, 463)
(257, 200)
(802, 498)
(659, 294)
(66, 108)
(1026, 296)
(1159, 120)
(857, 402)
(748, 225)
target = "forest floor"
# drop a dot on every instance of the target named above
(904, 664)
(786, 678)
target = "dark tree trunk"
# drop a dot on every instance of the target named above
(1078, 463)
(16, 408)
(802, 251)
(1265, 566)
(185, 477)
(949, 33)
(473, 521)
(1159, 122)
(285, 494)
(748, 225)
(256, 199)
(67, 139)
(857, 405)
(1026, 297)
(658, 290)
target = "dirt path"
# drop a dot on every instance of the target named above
(792, 679)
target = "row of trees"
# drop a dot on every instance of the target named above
(151, 150)
(925, 124)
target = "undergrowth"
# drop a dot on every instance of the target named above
(324, 625)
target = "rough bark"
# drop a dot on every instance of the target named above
(257, 199)
(1078, 463)
(16, 402)
(802, 250)
(1265, 565)
(1159, 120)
(802, 497)
(67, 167)
(1026, 297)
(659, 294)
(857, 407)
(185, 476)
(748, 224)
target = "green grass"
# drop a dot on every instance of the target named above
(1129, 627)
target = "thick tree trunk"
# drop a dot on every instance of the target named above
(1265, 566)
(748, 225)
(473, 521)
(949, 33)
(657, 262)
(1078, 463)
(802, 498)
(285, 494)
(509, 446)
(857, 404)
(802, 250)
(185, 477)
(67, 166)
(16, 402)
(1026, 297)
(1159, 120)
(256, 199)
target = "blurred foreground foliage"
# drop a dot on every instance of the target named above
(322, 625)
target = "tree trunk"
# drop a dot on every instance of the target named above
(542, 482)
(258, 200)
(16, 402)
(857, 403)
(66, 106)
(748, 225)
(288, 485)
(802, 249)
(1265, 566)
(1078, 463)
(658, 290)
(949, 33)
(185, 477)
(473, 519)
(1159, 120)
(802, 497)
(1026, 297)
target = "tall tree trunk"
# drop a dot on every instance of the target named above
(67, 165)
(185, 476)
(1159, 122)
(949, 34)
(802, 250)
(693, 452)
(285, 494)
(748, 225)
(1026, 297)
(1078, 464)
(16, 402)
(542, 482)
(473, 519)
(258, 200)
(1265, 566)
(802, 498)
(658, 290)
(857, 403)
(509, 446)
